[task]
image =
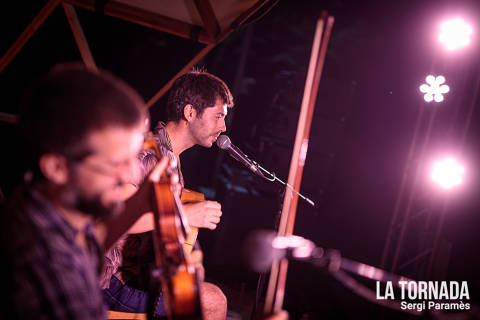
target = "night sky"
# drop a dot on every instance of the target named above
(379, 54)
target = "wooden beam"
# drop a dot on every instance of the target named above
(210, 22)
(132, 14)
(6, 117)
(239, 21)
(79, 36)
(27, 33)
(145, 18)
(185, 69)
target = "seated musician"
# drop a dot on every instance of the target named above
(81, 132)
(196, 110)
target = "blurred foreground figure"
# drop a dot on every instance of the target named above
(81, 131)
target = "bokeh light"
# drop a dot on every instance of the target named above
(448, 173)
(434, 89)
(455, 34)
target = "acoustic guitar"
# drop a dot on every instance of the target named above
(190, 196)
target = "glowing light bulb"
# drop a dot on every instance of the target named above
(448, 173)
(455, 34)
(434, 89)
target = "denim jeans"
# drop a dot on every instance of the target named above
(121, 297)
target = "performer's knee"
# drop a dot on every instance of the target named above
(214, 301)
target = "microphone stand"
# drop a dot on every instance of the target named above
(334, 262)
(272, 177)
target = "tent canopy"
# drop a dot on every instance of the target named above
(205, 21)
(201, 20)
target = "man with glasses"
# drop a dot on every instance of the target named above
(81, 131)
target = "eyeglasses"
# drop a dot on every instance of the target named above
(108, 168)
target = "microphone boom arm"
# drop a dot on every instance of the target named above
(224, 143)
(274, 178)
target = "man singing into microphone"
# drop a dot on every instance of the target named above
(196, 109)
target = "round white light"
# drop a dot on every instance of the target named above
(455, 34)
(448, 173)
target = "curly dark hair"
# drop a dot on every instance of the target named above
(198, 88)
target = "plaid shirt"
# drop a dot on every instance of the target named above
(51, 276)
(165, 147)
(136, 245)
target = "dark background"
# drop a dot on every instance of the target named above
(364, 121)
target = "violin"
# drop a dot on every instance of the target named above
(175, 271)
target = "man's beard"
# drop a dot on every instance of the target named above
(201, 138)
(91, 205)
(96, 208)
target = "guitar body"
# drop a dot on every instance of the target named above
(186, 300)
(175, 272)
(189, 196)
(179, 280)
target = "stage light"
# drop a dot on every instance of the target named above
(455, 34)
(448, 173)
(434, 88)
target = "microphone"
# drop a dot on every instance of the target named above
(262, 247)
(223, 142)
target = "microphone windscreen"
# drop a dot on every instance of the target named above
(259, 252)
(223, 142)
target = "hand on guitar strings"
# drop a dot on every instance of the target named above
(203, 214)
